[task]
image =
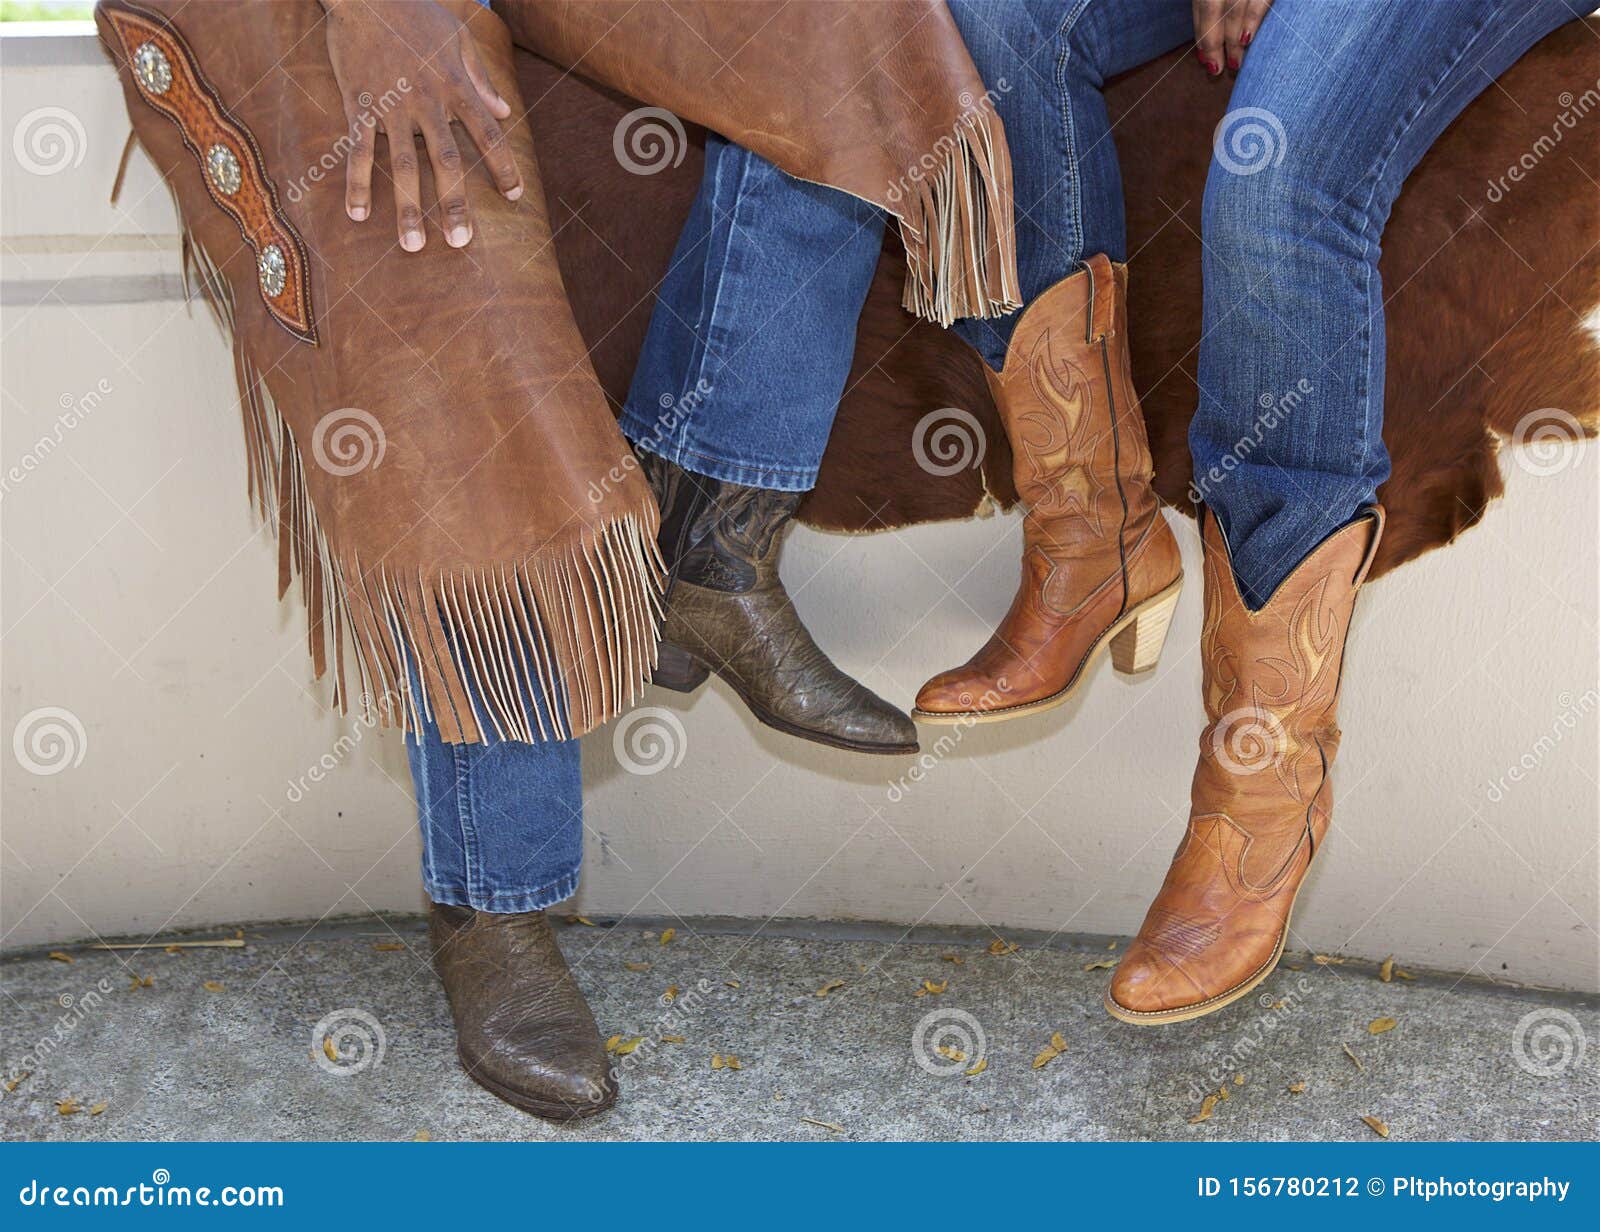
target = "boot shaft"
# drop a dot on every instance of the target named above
(1080, 457)
(719, 535)
(1271, 688)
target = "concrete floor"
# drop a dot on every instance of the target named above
(225, 1044)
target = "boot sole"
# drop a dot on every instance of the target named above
(560, 1113)
(768, 719)
(1184, 1013)
(1125, 622)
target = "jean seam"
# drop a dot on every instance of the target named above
(464, 819)
(1368, 265)
(507, 901)
(1069, 132)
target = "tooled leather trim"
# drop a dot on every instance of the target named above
(193, 105)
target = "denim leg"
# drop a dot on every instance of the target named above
(502, 821)
(1336, 103)
(1045, 63)
(754, 326)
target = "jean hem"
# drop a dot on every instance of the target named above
(503, 902)
(713, 466)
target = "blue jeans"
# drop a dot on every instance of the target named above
(752, 334)
(502, 821)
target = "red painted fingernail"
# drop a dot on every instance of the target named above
(1244, 39)
(1213, 68)
(1233, 62)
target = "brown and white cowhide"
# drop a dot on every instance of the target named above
(1493, 297)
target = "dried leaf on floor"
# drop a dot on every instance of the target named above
(830, 986)
(667, 934)
(954, 958)
(172, 949)
(422, 1135)
(141, 982)
(1238, 1080)
(99, 1108)
(212, 986)
(1376, 1126)
(1403, 975)
(633, 966)
(827, 1125)
(1103, 964)
(1328, 960)
(978, 1066)
(388, 947)
(1207, 1106)
(582, 919)
(60, 957)
(672, 1039)
(13, 1083)
(716, 1060)
(731, 983)
(622, 1045)
(671, 995)
(1000, 947)
(1355, 1060)
(734, 1062)
(328, 1049)
(1379, 1025)
(1050, 1052)
(68, 1106)
(725, 1061)
(950, 1052)
(1297, 1088)
(1111, 945)
(1386, 971)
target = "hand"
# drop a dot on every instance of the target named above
(1223, 29)
(409, 66)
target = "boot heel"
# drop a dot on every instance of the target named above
(1138, 646)
(678, 670)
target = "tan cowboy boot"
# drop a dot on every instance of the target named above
(1099, 565)
(1261, 799)
(523, 1029)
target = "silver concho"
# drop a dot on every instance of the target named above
(151, 64)
(273, 269)
(223, 168)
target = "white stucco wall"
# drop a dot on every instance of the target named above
(137, 596)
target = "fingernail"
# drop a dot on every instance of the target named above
(1233, 62)
(515, 194)
(411, 241)
(458, 236)
(1213, 68)
(1244, 39)
(358, 212)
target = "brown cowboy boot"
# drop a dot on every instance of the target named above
(523, 1029)
(1099, 565)
(728, 613)
(1261, 799)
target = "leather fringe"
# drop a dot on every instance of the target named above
(546, 648)
(958, 229)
